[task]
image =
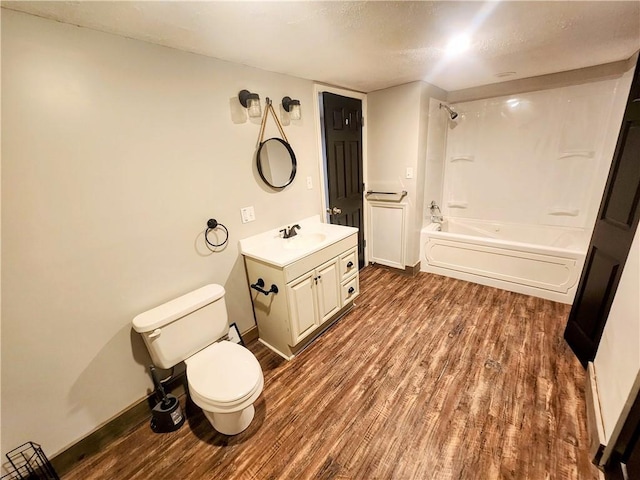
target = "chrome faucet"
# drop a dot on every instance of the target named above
(290, 231)
(436, 214)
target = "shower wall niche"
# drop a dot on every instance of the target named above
(535, 158)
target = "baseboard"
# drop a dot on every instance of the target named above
(412, 270)
(130, 417)
(407, 270)
(250, 335)
(102, 436)
(594, 417)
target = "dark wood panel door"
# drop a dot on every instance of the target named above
(612, 237)
(343, 150)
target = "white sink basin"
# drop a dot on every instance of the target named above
(304, 240)
(312, 236)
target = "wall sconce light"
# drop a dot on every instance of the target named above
(250, 101)
(293, 107)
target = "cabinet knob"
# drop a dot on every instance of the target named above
(350, 264)
(351, 290)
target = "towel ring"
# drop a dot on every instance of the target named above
(212, 224)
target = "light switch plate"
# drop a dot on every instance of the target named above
(248, 214)
(309, 183)
(409, 173)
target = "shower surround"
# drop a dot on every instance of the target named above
(531, 163)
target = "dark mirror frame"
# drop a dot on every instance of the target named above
(294, 164)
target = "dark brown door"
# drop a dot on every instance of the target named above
(612, 236)
(343, 147)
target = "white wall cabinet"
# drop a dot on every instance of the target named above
(313, 292)
(387, 227)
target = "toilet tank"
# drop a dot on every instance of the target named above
(177, 329)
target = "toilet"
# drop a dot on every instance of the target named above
(224, 377)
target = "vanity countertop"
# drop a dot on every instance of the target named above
(313, 235)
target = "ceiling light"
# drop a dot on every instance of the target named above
(458, 44)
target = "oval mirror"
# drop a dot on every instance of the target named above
(276, 162)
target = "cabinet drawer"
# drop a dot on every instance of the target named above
(350, 290)
(348, 263)
(308, 263)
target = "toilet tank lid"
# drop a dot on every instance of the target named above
(174, 309)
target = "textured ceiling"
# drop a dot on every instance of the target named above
(367, 46)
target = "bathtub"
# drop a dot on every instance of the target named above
(535, 260)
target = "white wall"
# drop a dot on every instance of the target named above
(394, 122)
(430, 151)
(617, 362)
(398, 120)
(115, 153)
(537, 158)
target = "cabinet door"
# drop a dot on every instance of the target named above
(302, 306)
(328, 289)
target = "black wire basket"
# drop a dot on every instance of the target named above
(29, 462)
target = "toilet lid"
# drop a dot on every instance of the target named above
(223, 372)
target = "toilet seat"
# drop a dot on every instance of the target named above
(223, 377)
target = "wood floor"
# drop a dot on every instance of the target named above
(427, 378)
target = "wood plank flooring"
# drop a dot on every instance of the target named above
(427, 378)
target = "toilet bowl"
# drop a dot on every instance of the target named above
(224, 380)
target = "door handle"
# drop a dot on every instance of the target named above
(334, 211)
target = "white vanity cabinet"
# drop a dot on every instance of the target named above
(313, 299)
(314, 290)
